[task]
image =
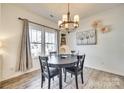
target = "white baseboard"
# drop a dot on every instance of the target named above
(105, 70)
(18, 74)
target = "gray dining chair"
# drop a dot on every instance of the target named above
(76, 69)
(47, 71)
(53, 53)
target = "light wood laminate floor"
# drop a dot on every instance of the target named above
(93, 79)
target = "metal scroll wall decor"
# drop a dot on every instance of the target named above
(89, 37)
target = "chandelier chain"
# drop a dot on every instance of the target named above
(68, 7)
(68, 14)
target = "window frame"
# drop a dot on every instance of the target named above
(43, 38)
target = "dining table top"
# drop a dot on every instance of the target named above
(62, 60)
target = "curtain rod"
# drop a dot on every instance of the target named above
(39, 24)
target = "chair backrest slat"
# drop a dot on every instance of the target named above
(80, 62)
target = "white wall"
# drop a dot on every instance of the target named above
(108, 54)
(11, 34)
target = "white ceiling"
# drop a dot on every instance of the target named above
(57, 9)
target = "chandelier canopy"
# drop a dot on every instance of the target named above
(67, 24)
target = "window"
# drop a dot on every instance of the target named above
(50, 42)
(42, 40)
(36, 45)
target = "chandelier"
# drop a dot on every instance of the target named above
(66, 24)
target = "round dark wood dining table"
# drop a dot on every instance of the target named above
(62, 61)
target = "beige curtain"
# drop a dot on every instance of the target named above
(25, 60)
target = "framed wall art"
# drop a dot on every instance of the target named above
(88, 37)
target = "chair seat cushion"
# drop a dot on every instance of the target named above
(53, 72)
(72, 69)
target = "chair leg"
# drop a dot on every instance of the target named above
(76, 80)
(63, 69)
(82, 77)
(42, 79)
(65, 77)
(71, 75)
(49, 83)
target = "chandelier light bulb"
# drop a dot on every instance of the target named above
(59, 22)
(64, 18)
(76, 18)
(75, 25)
(66, 26)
